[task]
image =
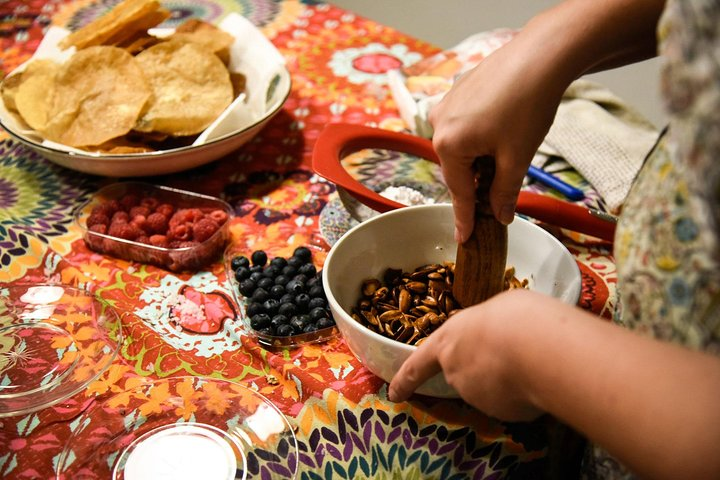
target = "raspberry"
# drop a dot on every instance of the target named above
(204, 229)
(139, 210)
(150, 202)
(119, 217)
(106, 208)
(219, 216)
(97, 219)
(129, 200)
(121, 230)
(180, 232)
(181, 217)
(156, 223)
(166, 209)
(182, 244)
(143, 239)
(98, 228)
(159, 241)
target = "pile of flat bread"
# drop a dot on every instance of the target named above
(125, 90)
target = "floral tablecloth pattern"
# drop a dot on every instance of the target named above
(346, 427)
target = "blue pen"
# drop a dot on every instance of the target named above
(552, 181)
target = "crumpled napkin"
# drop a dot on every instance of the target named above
(602, 137)
(595, 131)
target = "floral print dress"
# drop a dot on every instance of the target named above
(667, 245)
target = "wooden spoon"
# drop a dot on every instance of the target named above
(480, 262)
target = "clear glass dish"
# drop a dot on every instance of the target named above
(181, 428)
(54, 341)
(264, 339)
(174, 259)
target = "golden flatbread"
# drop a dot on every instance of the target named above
(99, 94)
(191, 87)
(35, 92)
(121, 17)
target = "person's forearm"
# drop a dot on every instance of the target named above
(577, 37)
(651, 404)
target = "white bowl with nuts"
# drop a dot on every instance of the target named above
(404, 247)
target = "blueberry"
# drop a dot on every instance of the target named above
(316, 302)
(285, 331)
(239, 261)
(256, 269)
(259, 257)
(324, 323)
(260, 295)
(316, 292)
(242, 273)
(298, 322)
(289, 271)
(260, 321)
(254, 308)
(271, 306)
(308, 269)
(316, 280)
(247, 287)
(302, 301)
(256, 276)
(287, 298)
(309, 328)
(281, 280)
(303, 253)
(318, 313)
(279, 262)
(287, 309)
(295, 287)
(277, 291)
(300, 277)
(278, 320)
(271, 272)
(265, 283)
(296, 262)
(267, 331)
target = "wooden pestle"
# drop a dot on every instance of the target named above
(480, 261)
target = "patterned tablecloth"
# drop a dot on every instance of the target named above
(346, 427)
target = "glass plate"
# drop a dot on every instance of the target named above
(181, 428)
(54, 341)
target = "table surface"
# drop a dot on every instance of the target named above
(346, 427)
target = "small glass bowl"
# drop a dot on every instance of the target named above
(56, 340)
(270, 341)
(174, 259)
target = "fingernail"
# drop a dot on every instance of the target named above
(392, 395)
(507, 214)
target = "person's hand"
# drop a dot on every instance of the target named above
(503, 108)
(474, 350)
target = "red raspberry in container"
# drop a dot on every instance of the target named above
(156, 223)
(204, 229)
(159, 241)
(98, 219)
(165, 209)
(128, 201)
(139, 210)
(119, 217)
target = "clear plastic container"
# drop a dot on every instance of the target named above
(193, 257)
(271, 342)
